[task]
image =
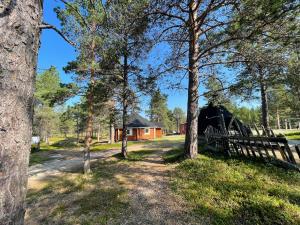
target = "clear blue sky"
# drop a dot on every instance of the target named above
(55, 51)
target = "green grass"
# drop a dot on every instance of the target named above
(36, 158)
(232, 191)
(80, 199)
(293, 136)
(174, 155)
(61, 143)
(136, 155)
(100, 147)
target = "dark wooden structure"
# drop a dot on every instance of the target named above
(268, 148)
(217, 117)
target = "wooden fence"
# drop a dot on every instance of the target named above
(267, 147)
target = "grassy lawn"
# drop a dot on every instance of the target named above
(232, 191)
(37, 158)
(61, 143)
(79, 199)
(293, 136)
(135, 155)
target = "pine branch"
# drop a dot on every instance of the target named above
(76, 11)
(52, 27)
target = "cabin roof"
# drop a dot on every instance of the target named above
(135, 120)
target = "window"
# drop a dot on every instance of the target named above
(129, 132)
(147, 131)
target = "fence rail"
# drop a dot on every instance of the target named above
(268, 148)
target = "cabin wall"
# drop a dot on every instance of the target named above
(139, 134)
(182, 128)
(159, 132)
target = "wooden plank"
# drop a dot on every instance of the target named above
(297, 150)
(290, 153)
(258, 149)
(283, 154)
(266, 148)
(256, 129)
(252, 150)
(264, 131)
(273, 150)
(268, 139)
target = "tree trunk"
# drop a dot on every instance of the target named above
(98, 132)
(278, 119)
(89, 129)
(125, 105)
(90, 103)
(191, 138)
(264, 102)
(77, 130)
(47, 139)
(111, 132)
(19, 43)
(124, 131)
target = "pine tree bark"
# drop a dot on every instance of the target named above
(278, 119)
(98, 132)
(125, 105)
(90, 103)
(89, 129)
(191, 138)
(264, 102)
(111, 132)
(19, 44)
(77, 129)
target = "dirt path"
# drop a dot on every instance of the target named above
(61, 163)
(151, 200)
(147, 181)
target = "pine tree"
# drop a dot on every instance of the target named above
(83, 22)
(199, 34)
(179, 117)
(21, 25)
(128, 29)
(215, 92)
(158, 110)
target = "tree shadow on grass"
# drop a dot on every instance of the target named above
(257, 164)
(68, 142)
(239, 190)
(79, 199)
(140, 155)
(98, 198)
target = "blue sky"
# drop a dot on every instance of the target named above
(55, 51)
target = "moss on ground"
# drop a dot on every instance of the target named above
(233, 191)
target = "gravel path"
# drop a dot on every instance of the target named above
(152, 202)
(294, 142)
(61, 163)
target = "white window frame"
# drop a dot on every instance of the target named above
(130, 133)
(148, 130)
